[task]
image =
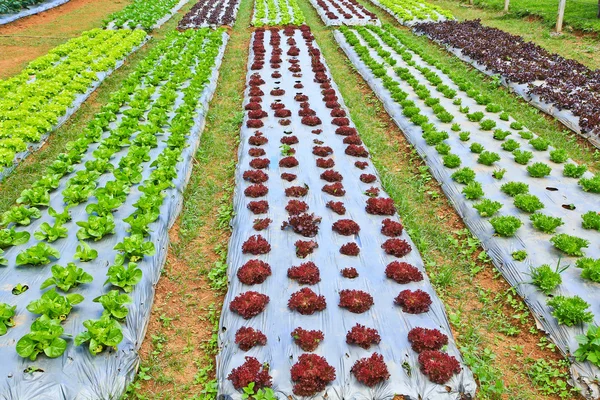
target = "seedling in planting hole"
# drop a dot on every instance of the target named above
(559, 156)
(475, 117)
(455, 127)
(464, 110)
(517, 126)
(19, 289)
(591, 220)
(44, 336)
(539, 170)
(522, 156)
(510, 145)
(545, 223)
(488, 158)
(286, 150)
(546, 278)
(590, 268)
(525, 135)
(452, 161)
(443, 148)
(589, 346)
(540, 144)
(519, 255)
(528, 203)
(261, 394)
(67, 277)
(506, 225)
(487, 124)
(487, 207)
(499, 134)
(570, 245)
(514, 188)
(574, 171)
(473, 190)
(6, 317)
(464, 175)
(591, 185)
(504, 116)
(499, 173)
(570, 311)
(464, 136)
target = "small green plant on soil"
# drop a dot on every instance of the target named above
(487, 125)
(499, 134)
(591, 220)
(540, 144)
(545, 223)
(464, 136)
(547, 278)
(488, 158)
(473, 191)
(528, 203)
(574, 171)
(511, 145)
(570, 311)
(519, 255)
(522, 156)
(487, 207)
(570, 245)
(7, 313)
(101, 333)
(514, 188)
(591, 185)
(260, 394)
(506, 225)
(84, 252)
(499, 173)
(455, 127)
(477, 148)
(550, 378)
(464, 175)
(464, 109)
(590, 268)
(539, 170)
(589, 346)
(559, 156)
(452, 161)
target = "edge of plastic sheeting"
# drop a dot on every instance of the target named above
(565, 117)
(77, 103)
(38, 8)
(83, 376)
(355, 21)
(584, 374)
(277, 321)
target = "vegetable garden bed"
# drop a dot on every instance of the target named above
(277, 12)
(105, 206)
(42, 97)
(344, 12)
(534, 210)
(561, 87)
(324, 285)
(13, 10)
(143, 14)
(410, 12)
(212, 13)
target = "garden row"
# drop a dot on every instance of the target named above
(534, 210)
(51, 88)
(277, 12)
(344, 12)
(561, 87)
(12, 10)
(410, 12)
(326, 291)
(213, 13)
(85, 245)
(142, 14)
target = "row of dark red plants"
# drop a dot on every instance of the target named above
(355, 9)
(312, 373)
(210, 12)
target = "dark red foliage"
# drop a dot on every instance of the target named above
(246, 338)
(368, 178)
(261, 223)
(346, 131)
(256, 99)
(304, 224)
(330, 97)
(305, 247)
(294, 68)
(288, 177)
(255, 91)
(277, 105)
(322, 151)
(254, 272)
(295, 207)
(307, 340)
(255, 176)
(283, 113)
(380, 206)
(334, 189)
(289, 140)
(350, 249)
(293, 51)
(327, 91)
(317, 131)
(361, 164)
(341, 121)
(301, 97)
(332, 176)
(253, 106)
(325, 162)
(276, 75)
(254, 123)
(346, 227)
(249, 304)
(402, 272)
(437, 366)
(256, 152)
(352, 139)
(370, 371)
(288, 162)
(277, 92)
(311, 374)
(305, 104)
(250, 371)
(355, 301)
(306, 302)
(332, 104)
(356, 151)
(258, 207)
(337, 207)
(256, 80)
(391, 228)
(337, 112)
(372, 192)
(362, 336)
(350, 273)
(311, 120)
(422, 339)
(306, 112)
(306, 273)
(296, 191)
(396, 247)
(285, 122)
(260, 163)
(257, 114)
(256, 244)
(257, 190)
(298, 86)
(413, 302)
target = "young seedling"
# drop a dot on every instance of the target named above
(506, 225)
(546, 278)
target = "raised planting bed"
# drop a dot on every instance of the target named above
(345, 284)
(51, 88)
(12, 10)
(561, 87)
(344, 12)
(410, 12)
(277, 12)
(210, 13)
(534, 210)
(143, 14)
(85, 247)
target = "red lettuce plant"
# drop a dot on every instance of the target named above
(355, 301)
(305, 247)
(288, 177)
(396, 247)
(249, 304)
(437, 366)
(352, 140)
(255, 91)
(391, 228)
(246, 338)
(350, 249)
(330, 97)
(258, 207)
(306, 112)
(257, 190)
(350, 273)
(340, 121)
(307, 340)
(277, 92)
(370, 371)
(254, 123)
(256, 152)
(311, 120)
(289, 140)
(317, 131)
(402, 272)
(413, 302)
(311, 374)
(346, 227)
(332, 104)
(276, 75)
(306, 302)
(337, 207)
(422, 339)
(296, 207)
(334, 189)
(380, 206)
(322, 151)
(304, 224)
(325, 162)
(346, 131)
(306, 273)
(260, 163)
(285, 122)
(296, 191)
(251, 371)
(277, 105)
(256, 244)
(356, 151)
(288, 162)
(253, 106)
(361, 164)
(261, 224)
(298, 86)
(254, 272)
(372, 192)
(362, 336)
(283, 113)
(256, 114)
(337, 112)
(368, 178)
(331, 176)
(301, 98)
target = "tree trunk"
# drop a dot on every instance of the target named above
(598, 8)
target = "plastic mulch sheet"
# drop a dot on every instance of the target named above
(77, 374)
(341, 20)
(277, 321)
(159, 22)
(555, 191)
(36, 9)
(210, 14)
(412, 21)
